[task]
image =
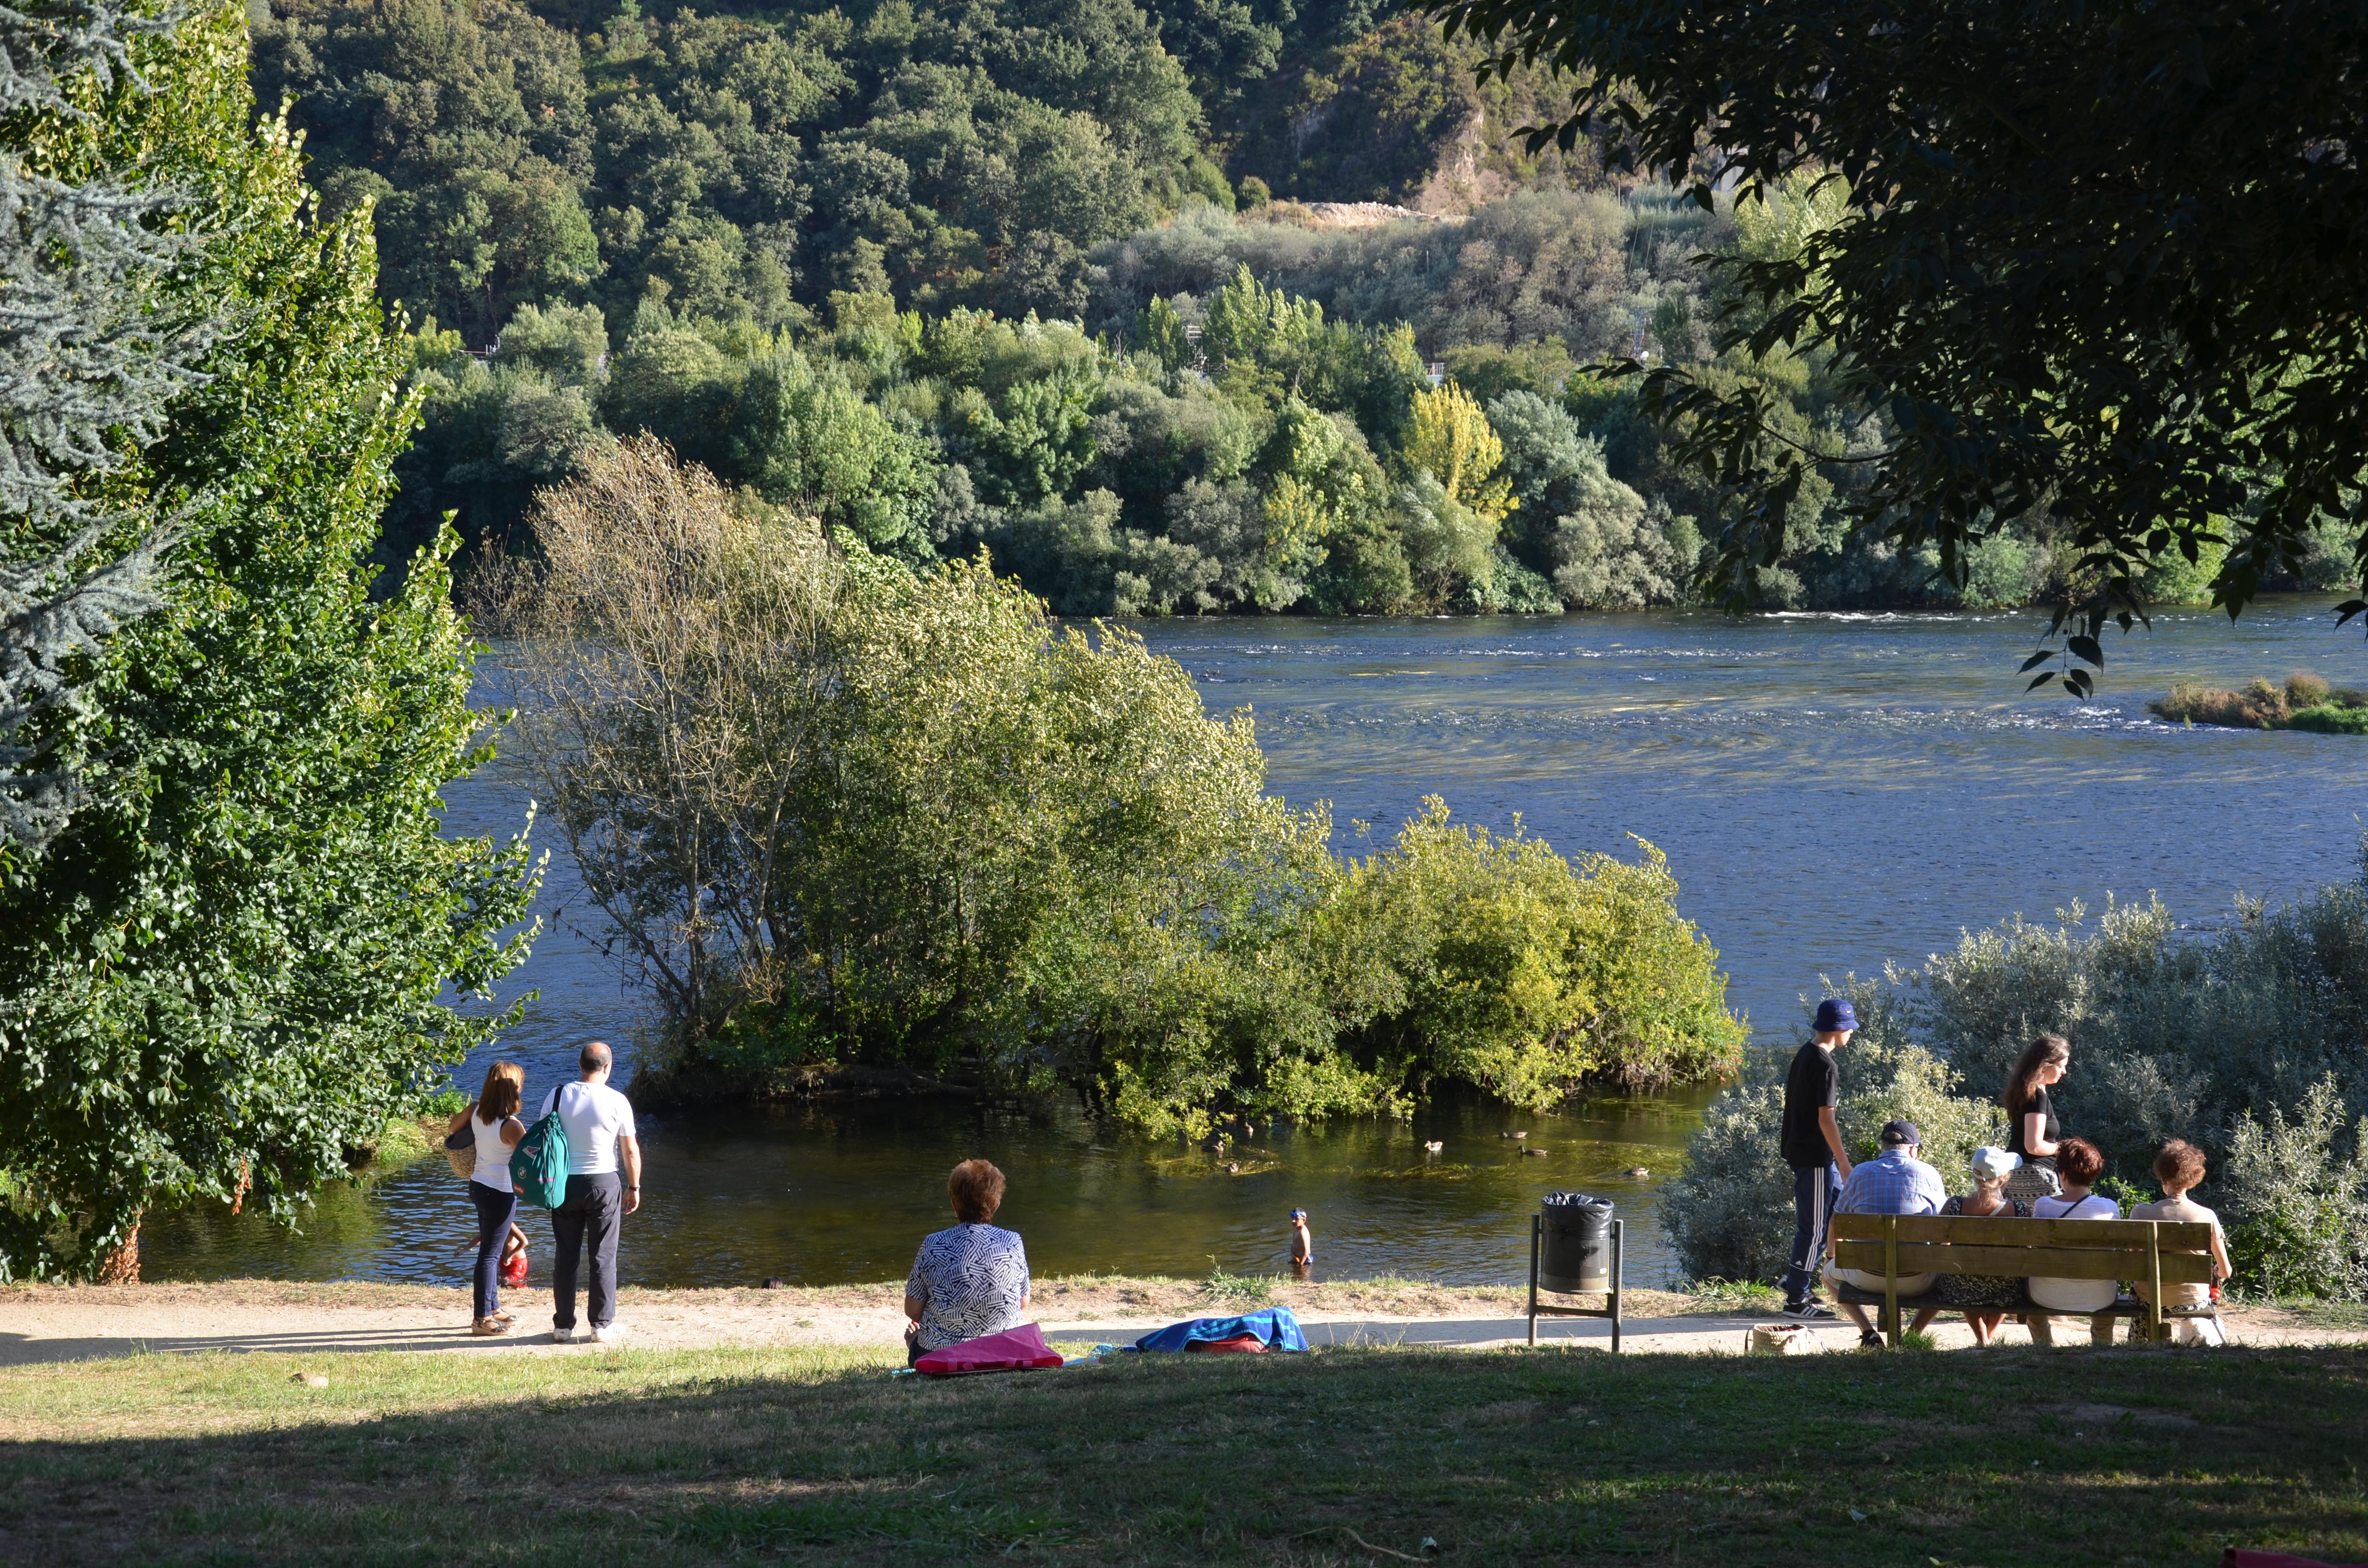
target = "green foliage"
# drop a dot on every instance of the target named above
(2305, 701)
(2299, 1206)
(233, 972)
(1511, 968)
(2114, 355)
(837, 811)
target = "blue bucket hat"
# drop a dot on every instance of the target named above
(1836, 1012)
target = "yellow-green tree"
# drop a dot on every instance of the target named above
(1451, 438)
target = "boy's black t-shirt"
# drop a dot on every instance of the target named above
(1813, 1083)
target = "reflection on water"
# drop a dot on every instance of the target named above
(1832, 791)
(821, 1195)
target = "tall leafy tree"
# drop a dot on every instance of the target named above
(2099, 259)
(231, 968)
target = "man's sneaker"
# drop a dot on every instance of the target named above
(563, 1336)
(1868, 1340)
(608, 1332)
(1808, 1310)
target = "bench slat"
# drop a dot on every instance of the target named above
(2124, 1307)
(2177, 1235)
(2023, 1262)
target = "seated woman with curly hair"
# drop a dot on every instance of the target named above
(969, 1280)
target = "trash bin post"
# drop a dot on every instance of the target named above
(1593, 1268)
(1619, 1236)
(1537, 1228)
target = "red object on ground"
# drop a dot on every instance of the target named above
(1240, 1345)
(514, 1270)
(2245, 1557)
(1014, 1350)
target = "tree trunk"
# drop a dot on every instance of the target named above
(122, 1265)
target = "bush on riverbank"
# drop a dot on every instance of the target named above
(837, 811)
(2304, 702)
(2246, 1042)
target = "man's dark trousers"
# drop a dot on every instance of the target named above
(1813, 1191)
(593, 1210)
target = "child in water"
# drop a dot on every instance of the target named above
(1303, 1245)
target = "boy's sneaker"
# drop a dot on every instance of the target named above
(1808, 1310)
(563, 1336)
(1868, 1340)
(608, 1332)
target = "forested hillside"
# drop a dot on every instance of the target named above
(1058, 280)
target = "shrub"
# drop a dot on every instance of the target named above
(2305, 690)
(838, 810)
(1511, 970)
(2297, 1207)
(1729, 1216)
(2329, 719)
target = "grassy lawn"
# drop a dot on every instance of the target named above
(2156, 1457)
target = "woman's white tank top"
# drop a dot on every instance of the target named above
(493, 1154)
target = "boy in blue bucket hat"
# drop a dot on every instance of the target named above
(1811, 1144)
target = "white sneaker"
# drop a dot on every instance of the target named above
(563, 1336)
(608, 1332)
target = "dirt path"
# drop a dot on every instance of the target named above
(42, 1324)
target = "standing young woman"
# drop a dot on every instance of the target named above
(494, 1120)
(2032, 1130)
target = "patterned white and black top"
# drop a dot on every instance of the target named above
(970, 1282)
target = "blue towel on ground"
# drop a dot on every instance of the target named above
(1274, 1326)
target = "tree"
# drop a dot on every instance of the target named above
(230, 970)
(93, 348)
(2097, 258)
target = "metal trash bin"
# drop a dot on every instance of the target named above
(1575, 1253)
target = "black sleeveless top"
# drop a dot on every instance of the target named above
(2050, 1130)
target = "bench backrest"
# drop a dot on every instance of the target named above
(2060, 1249)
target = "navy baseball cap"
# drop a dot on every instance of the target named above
(1836, 1012)
(1897, 1133)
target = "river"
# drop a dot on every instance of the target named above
(1833, 791)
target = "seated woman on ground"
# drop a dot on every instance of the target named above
(970, 1281)
(2078, 1165)
(1985, 1298)
(2032, 1131)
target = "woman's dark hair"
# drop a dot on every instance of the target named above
(976, 1187)
(2048, 1050)
(2076, 1160)
(505, 1083)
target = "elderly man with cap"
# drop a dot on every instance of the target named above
(1894, 1182)
(1811, 1144)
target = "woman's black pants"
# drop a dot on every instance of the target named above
(495, 1211)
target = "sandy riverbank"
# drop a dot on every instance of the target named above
(67, 1324)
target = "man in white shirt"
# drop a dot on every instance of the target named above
(604, 1185)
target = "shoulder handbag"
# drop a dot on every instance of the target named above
(460, 1147)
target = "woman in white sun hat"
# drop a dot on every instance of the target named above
(1985, 1298)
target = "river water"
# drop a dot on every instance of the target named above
(1833, 791)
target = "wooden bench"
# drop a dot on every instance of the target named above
(2151, 1253)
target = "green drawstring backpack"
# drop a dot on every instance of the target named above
(539, 1164)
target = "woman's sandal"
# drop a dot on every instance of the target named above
(487, 1327)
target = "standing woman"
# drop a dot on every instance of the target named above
(494, 1120)
(2032, 1130)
